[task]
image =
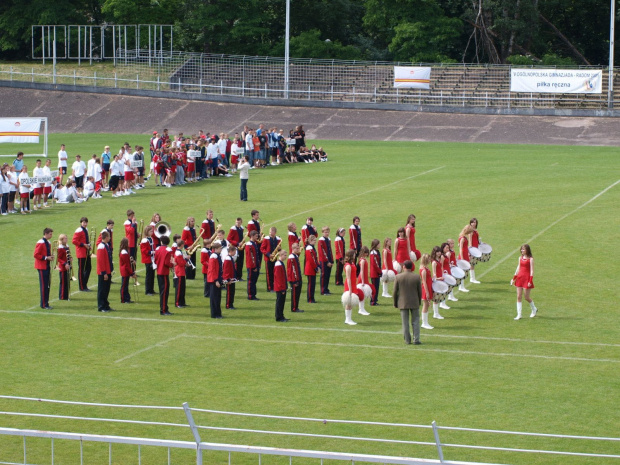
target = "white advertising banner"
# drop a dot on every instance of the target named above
(412, 77)
(21, 130)
(556, 81)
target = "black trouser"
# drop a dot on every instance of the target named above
(132, 252)
(339, 271)
(84, 265)
(207, 291)
(310, 289)
(295, 296)
(44, 287)
(163, 281)
(63, 288)
(239, 264)
(149, 284)
(230, 295)
(179, 296)
(375, 295)
(190, 271)
(252, 278)
(326, 272)
(280, 301)
(215, 300)
(103, 290)
(125, 296)
(269, 274)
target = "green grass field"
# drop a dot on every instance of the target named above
(556, 373)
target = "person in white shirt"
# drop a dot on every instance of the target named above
(5, 187)
(249, 147)
(116, 172)
(62, 161)
(37, 172)
(212, 155)
(221, 148)
(89, 188)
(47, 185)
(192, 156)
(24, 190)
(77, 171)
(128, 171)
(14, 185)
(68, 194)
(244, 175)
(90, 170)
(97, 178)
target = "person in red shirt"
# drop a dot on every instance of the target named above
(205, 253)
(311, 265)
(355, 236)
(267, 248)
(293, 274)
(293, 238)
(147, 253)
(179, 275)
(280, 286)
(235, 237)
(126, 270)
(251, 263)
(326, 260)
(339, 246)
(362, 279)
(426, 279)
(401, 247)
(308, 230)
(164, 261)
(189, 237)
(414, 253)
(42, 263)
(387, 267)
(375, 270)
(475, 242)
(104, 273)
(64, 267)
(131, 233)
(214, 277)
(81, 240)
(228, 275)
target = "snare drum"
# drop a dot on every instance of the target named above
(458, 274)
(465, 266)
(450, 281)
(474, 255)
(485, 250)
(440, 291)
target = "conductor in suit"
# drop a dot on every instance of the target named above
(407, 298)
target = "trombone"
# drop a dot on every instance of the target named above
(91, 240)
(140, 230)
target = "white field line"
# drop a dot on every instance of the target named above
(159, 344)
(168, 320)
(540, 233)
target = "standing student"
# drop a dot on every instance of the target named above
(104, 273)
(407, 298)
(24, 190)
(387, 266)
(523, 280)
(464, 241)
(37, 172)
(63, 265)
(308, 230)
(62, 162)
(126, 270)
(131, 232)
(164, 261)
(311, 265)
(229, 276)
(362, 279)
(414, 253)
(244, 176)
(350, 287)
(214, 277)
(293, 238)
(437, 276)
(235, 237)
(42, 260)
(426, 279)
(293, 274)
(81, 241)
(280, 286)
(147, 253)
(401, 247)
(189, 237)
(251, 262)
(375, 270)
(339, 247)
(205, 253)
(326, 260)
(475, 242)
(179, 275)
(267, 248)
(355, 236)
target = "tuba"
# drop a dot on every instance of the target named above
(162, 229)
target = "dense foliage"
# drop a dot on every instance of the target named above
(479, 31)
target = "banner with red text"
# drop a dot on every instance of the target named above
(556, 81)
(412, 77)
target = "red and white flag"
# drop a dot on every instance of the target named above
(22, 130)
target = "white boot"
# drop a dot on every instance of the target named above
(519, 305)
(462, 287)
(451, 297)
(348, 319)
(472, 277)
(385, 291)
(362, 310)
(436, 311)
(534, 309)
(425, 324)
(444, 305)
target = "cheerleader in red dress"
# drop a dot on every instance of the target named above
(362, 279)
(352, 295)
(426, 279)
(375, 270)
(387, 274)
(339, 248)
(475, 242)
(414, 253)
(523, 280)
(401, 246)
(447, 264)
(437, 276)
(464, 250)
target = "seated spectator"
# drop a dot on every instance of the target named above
(89, 187)
(68, 194)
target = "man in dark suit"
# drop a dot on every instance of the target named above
(407, 298)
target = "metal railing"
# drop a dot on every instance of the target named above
(198, 445)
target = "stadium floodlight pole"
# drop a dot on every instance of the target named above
(286, 46)
(610, 90)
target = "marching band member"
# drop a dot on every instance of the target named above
(437, 276)
(326, 259)
(414, 253)
(104, 273)
(228, 275)
(214, 277)
(208, 226)
(179, 275)
(375, 270)
(362, 279)
(401, 247)
(81, 241)
(293, 238)
(126, 270)
(523, 280)
(293, 274)
(220, 237)
(42, 260)
(447, 264)
(352, 295)
(339, 247)
(308, 230)
(426, 279)
(475, 242)
(267, 247)
(110, 229)
(131, 232)
(189, 237)
(164, 261)
(254, 225)
(355, 236)
(147, 253)
(235, 237)
(280, 286)
(205, 253)
(311, 265)
(64, 267)
(388, 274)
(251, 263)
(156, 218)
(464, 249)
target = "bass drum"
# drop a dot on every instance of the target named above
(485, 250)
(440, 291)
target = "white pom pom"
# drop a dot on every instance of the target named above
(391, 276)
(384, 276)
(412, 256)
(366, 289)
(396, 266)
(350, 299)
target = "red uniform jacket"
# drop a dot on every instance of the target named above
(375, 264)
(163, 257)
(235, 236)
(363, 276)
(41, 251)
(292, 239)
(251, 259)
(208, 229)
(279, 277)
(62, 257)
(214, 271)
(103, 260)
(267, 246)
(253, 226)
(187, 237)
(311, 262)
(306, 232)
(228, 271)
(325, 250)
(131, 232)
(293, 269)
(339, 246)
(146, 251)
(204, 259)
(179, 263)
(125, 264)
(354, 240)
(80, 239)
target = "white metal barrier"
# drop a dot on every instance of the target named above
(198, 445)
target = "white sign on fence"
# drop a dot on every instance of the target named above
(556, 81)
(412, 77)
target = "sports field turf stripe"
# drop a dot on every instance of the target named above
(159, 344)
(172, 320)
